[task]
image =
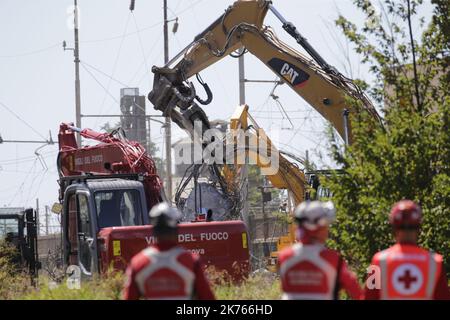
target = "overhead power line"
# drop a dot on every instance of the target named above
(99, 83)
(104, 73)
(145, 28)
(23, 183)
(26, 159)
(189, 7)
(22, 120)
(123, 35)
(28, 53)
(114, 66)
(140, 43)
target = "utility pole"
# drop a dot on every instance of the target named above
(76, 54)
(241, 78)
(38, 226)
(245, 209)
(46, 220)
(265, 197)
(167, 125)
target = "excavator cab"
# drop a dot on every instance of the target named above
(19, 228)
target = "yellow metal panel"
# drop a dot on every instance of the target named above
(116, 248)
(244, 240)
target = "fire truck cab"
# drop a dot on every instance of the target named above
(105, 223)
(92, 203)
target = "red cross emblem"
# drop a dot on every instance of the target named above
(407, 279)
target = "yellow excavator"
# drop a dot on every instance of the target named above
(288, 175)
(241, 29)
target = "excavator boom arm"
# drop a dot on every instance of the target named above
(287, 176)
(318, 83)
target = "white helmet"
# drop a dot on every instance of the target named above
(314, 214)
(163, 215)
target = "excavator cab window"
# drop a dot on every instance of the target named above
(323, 193)
(8, 229)
(118, 208)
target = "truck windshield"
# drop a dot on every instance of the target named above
(118, 208)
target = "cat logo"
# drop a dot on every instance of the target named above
(295, 76)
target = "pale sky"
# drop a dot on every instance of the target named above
(37, 76)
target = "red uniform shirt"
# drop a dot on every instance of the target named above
(406, 271)
(166, 272)
(312, 271)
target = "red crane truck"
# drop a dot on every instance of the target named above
(106, 192)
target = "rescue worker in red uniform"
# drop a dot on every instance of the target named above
(165, 270)
(308, 269)
(405, 270)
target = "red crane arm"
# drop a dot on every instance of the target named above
(112, 155)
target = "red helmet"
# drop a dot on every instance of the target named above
(405, 213)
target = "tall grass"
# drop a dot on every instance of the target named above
(106, 287)
(15, 284)
(13, 280)
(256, 287)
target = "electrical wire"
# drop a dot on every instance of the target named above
(31, 52)
(142, 46)
(289, 111)
(22, 120)
(145, 73)
(23, 183)
(189, 7)
(277, 118)
(142, 29)
(24, 159)
(42, 174)
(114, 67)
(30, 188)
(125, 35)
(104, 73)
(100, 84)
(38, 187)
(144, 62)
(298, 130)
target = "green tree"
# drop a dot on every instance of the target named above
(407, 158)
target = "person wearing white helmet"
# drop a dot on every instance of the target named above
(308, 269)
(166, 270)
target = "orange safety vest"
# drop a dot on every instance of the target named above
(408, 272)
(165, 277)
